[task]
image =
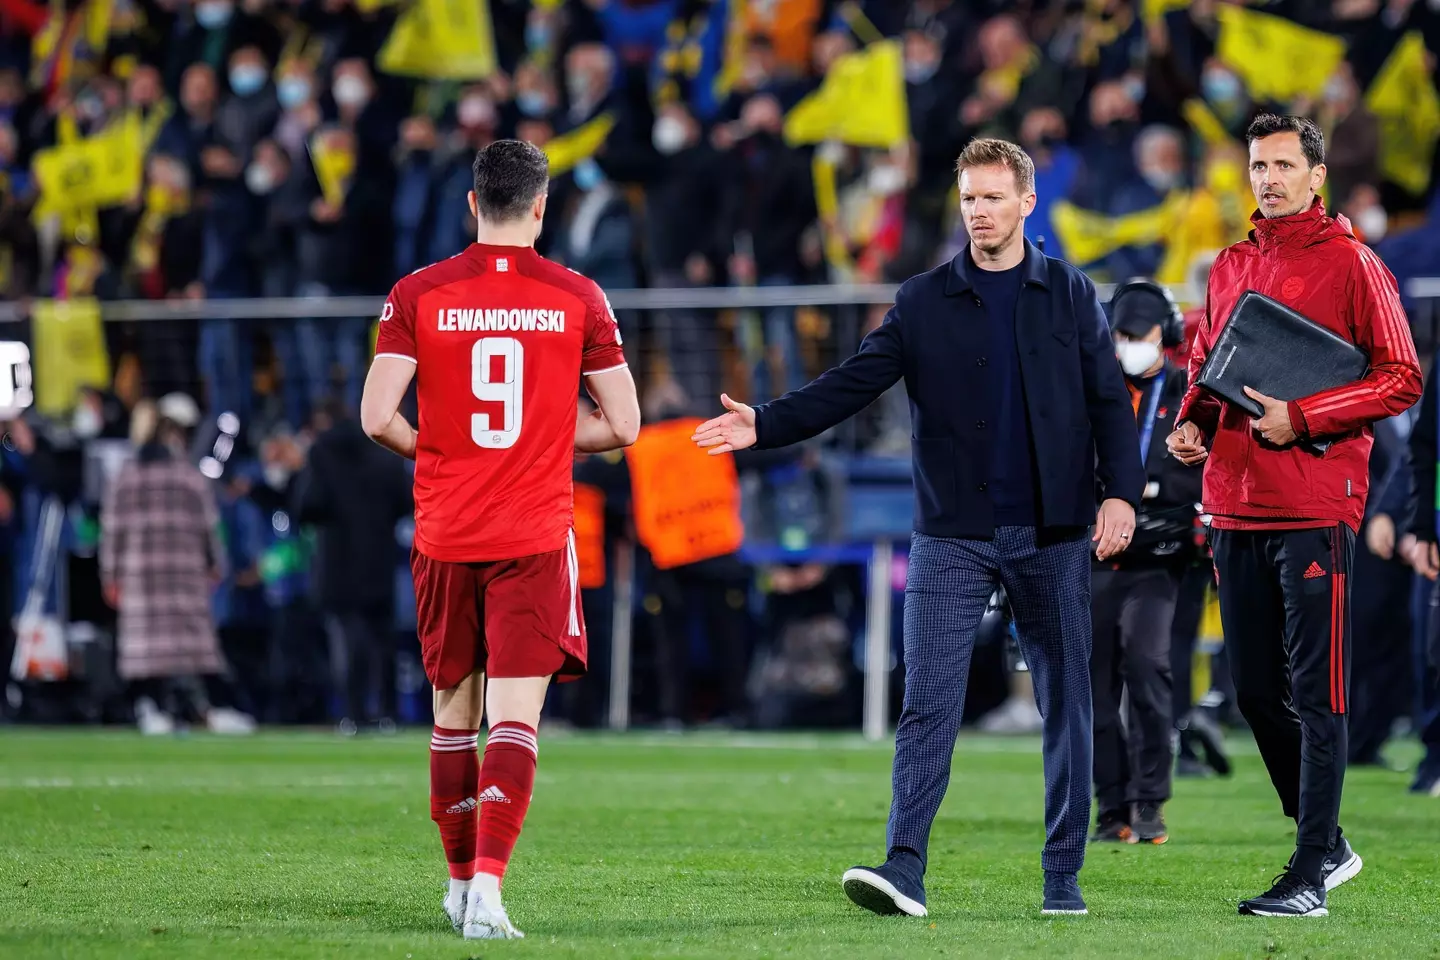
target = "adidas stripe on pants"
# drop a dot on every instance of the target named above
(1285, 610)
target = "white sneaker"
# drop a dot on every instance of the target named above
(455, 910)
(228, 721)
(1015, 715)
(151, 720)
(485, 922)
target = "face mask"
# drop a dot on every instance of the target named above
(918, 73)
(537, 35)
(532, 103)
(87, 422)
(350, 91)
(1334, 90)
(213, 15)
(1136, 356)
(886, 180)
(276, 476)
(247, 80)
(578, 86)
(588, 175)
(1373, 223)
(669, 135)
(1135, 88)
(1161, 181)
(292, 92)
(475, 112)
(1220, 86)
(259, 180)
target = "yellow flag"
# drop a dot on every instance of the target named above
(1403, 99)
(333, 168)
(441, 40)
(568, 149)
(1278, 60)
(1088, 236)
(827, 205)
(99, 171)
(1203, 121)
(862, 101)
(69, 352)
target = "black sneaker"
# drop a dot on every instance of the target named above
(1062, 895)
(1111, 828)
(1291, 896)
(1149, 825)
(896, 886)
(1340, 865)
(1205, 733)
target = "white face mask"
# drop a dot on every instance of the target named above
(260, 180)
(350, 91)
(87, 422)
(887, 179)
(276, 476)
(1136, 356)
(1372, 222)
(669, 135)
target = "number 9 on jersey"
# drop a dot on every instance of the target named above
(507, 390)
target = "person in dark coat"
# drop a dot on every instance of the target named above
(1018, 406)
(1134, 595)
(354, 493)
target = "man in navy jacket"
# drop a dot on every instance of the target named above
(1018, 406)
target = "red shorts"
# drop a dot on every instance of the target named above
(509, 618)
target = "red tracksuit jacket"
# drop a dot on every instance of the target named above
(1312, 263)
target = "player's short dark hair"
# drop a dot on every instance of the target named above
(1312, 141)
(509, 175)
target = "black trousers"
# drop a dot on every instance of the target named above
(1184, 632)
(721, 602)
(1382, 660)
(1131, 612)
(1285, 608)
(362, 658)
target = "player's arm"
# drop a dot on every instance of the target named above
(385, 387)
(615, 422)
(390, 375)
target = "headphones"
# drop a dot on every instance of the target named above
(1172, 325)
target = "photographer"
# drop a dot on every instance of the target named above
(1134, 593)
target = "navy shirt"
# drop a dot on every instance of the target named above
(1012, 461)
(937, 338)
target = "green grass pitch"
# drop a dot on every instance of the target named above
(299, 845)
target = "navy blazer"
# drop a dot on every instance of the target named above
(937, 337)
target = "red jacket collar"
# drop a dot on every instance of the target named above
(1298, 230)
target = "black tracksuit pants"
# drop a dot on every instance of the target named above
(1131, 611)
(1285, 609)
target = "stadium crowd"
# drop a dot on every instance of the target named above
(293, 149)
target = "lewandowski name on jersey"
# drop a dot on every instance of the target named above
(484, 320)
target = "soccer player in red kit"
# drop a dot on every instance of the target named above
(497, 338)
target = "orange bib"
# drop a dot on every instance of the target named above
(590, 535)
(687, 503)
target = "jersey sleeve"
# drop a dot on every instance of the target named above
(603, 351)
(397, 325)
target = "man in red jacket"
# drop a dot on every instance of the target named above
(1285, 518)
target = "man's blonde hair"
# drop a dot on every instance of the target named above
(994, 152)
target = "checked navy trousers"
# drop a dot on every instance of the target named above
(946, 590)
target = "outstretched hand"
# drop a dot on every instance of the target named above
(731, 431)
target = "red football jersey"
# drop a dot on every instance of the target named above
(500, 337)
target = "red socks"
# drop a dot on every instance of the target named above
(454, 772)
(507, 779)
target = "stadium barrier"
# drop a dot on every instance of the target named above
(876, 550)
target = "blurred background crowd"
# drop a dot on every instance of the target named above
(213, 152)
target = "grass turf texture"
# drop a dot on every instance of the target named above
(301, 845)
